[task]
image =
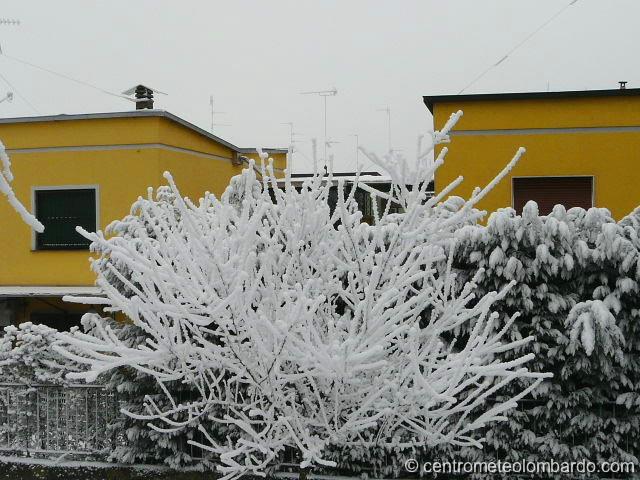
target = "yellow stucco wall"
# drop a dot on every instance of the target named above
(279, 162)
(179, 136)
(196, 175)
(103, 131)
(121, 176)
(480, 150)
(123, 156)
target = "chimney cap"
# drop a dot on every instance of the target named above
(623, 84)
(132, 90)
(143, 96)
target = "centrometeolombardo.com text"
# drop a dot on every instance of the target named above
(528, 467)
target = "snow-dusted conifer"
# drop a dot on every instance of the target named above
(27, 356)
(304, 327)
(577, 282)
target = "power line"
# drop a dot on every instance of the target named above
(14, 22)
(518, 45)
(66, 77)
(6, 80)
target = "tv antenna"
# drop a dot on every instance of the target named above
(9, 21)
(324, 94)
(292, 139)
(292, 133)
(330, 143)
(214, 113)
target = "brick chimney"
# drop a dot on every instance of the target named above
(143, 96)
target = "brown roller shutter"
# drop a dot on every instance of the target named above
(550, 191)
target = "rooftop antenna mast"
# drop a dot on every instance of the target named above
(324, 94)
(387, 110)
(292, 133)
(329, 144)
(214, 113)
(292, 142)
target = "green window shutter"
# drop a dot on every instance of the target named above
(60, 211)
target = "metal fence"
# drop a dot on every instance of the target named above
(55, 418)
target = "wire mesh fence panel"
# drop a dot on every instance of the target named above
(54, 418)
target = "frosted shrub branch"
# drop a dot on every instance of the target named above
(6, 178)
(303, 327)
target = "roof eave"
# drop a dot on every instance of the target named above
(251, 150)
(136, 114)
(431, 100)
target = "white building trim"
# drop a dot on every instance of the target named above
(47, 291)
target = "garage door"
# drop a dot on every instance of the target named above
(550, 191)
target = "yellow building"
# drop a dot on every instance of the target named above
(87, 170)
(582, 147)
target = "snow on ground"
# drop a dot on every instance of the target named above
(26, 468)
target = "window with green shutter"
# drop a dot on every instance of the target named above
(60, 211)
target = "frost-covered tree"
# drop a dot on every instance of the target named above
(6, 178)
(142, 444)
(301, 327)
(145, 445)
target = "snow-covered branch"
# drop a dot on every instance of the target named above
(6, 178)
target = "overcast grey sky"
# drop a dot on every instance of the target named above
(256, 56)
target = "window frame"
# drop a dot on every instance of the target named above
(94, 187)
(592, 177)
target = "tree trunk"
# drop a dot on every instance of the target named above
(303, 474)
